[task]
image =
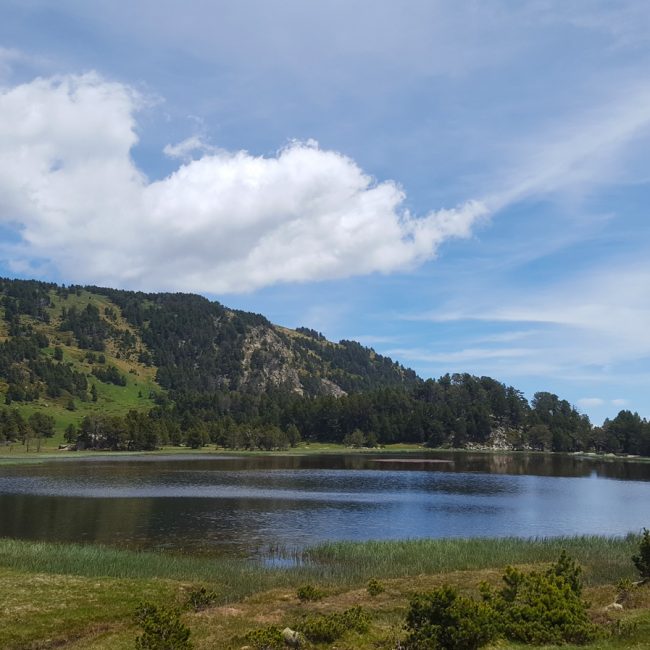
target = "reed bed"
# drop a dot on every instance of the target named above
(235, 577)
(605, 559)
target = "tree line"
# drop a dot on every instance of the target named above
(457, 411)
(28, 431)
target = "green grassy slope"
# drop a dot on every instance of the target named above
(111, 399)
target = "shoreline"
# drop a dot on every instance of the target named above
(11, 456)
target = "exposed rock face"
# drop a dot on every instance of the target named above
(269, 361)
(501, 439)
(330, 388)
(193, 345)
(272, 359)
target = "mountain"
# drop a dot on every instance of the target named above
(77, 350)
(193, 343)
(201, 345)
(107, 368)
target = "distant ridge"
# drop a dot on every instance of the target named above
(116, 367)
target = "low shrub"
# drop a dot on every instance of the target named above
(162, 629)
(326, 628)
(442, 619)
(623, 590)
(539, 608)
(542, 607)
(567, 568)
(322, 628)
(201, 598)
(309, 593)
(265, 638)
(355, 618)
(375, 587)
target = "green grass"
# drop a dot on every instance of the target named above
(112, 400)
(333, 447)
(74, 596)
(41, 611)
(16, 452)
(236, 577)
(337, 563)
(604, 558)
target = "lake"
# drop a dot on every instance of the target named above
(250, 505)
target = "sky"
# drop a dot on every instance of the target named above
(463, 186)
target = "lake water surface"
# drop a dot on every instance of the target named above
(245, 505)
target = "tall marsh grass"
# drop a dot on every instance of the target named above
(234, 577)
(605, 559)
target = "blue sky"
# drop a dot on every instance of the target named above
(461, 185)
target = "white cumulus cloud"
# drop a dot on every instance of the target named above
(223, 222)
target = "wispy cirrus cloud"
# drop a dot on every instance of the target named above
(459, 356)
(597, 402)
(589, 330)
(590, 402)
(587, 149)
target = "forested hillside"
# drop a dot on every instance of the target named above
(129, 370)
